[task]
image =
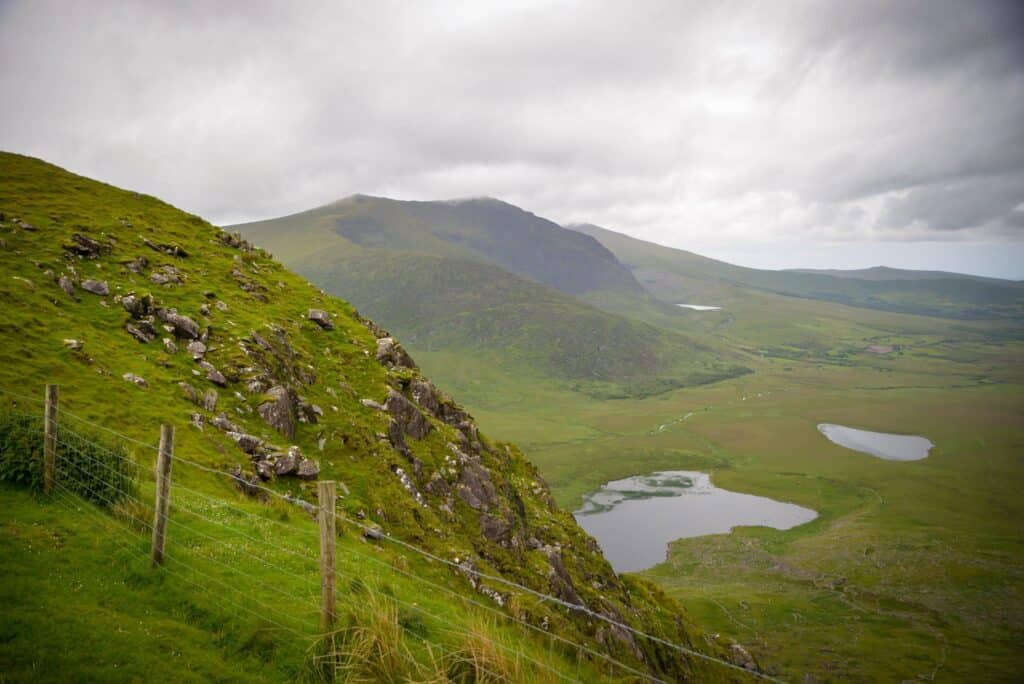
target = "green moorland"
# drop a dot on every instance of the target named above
(911, 569)
(237, 598)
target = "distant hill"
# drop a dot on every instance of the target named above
(887, 273)
(485, 276)
(679, 276)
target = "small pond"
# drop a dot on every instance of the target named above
(880, 444)
(634, 519)
(700, 307)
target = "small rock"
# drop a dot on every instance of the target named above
(221, 306)
(189, 392)
(308, 469)
(247, 443)
(143, 332)
(66, 285)
(321, 318)
(135, 379)
(170, 346)
(74, 345)
(196, 349)
(370, 403)
(137, 306)
(182, 326)
(212, 374)
(137, 265)
(221, 422)
(373, 531)
(210, 400)
(197, 421)
(265, 470)
(97, 287)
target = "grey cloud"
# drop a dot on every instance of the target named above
(669, 119)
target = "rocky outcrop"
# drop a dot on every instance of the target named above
(85, 247)
(407, 416)
(279, 410)
(475, 486)
(163, 248)
(392, 354)
(137, 306)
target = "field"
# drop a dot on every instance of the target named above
(911, 570)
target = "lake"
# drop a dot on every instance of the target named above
(881, 444)
(635, 518)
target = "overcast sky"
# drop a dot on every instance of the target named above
(772, 133)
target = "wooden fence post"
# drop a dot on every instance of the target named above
(163, 491)
(325, 516)
(50, 439)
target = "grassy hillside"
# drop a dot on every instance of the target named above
(679, 276)
(146, 315)
(438, 294)
(484, 229)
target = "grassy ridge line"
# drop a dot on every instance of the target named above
(676, 275)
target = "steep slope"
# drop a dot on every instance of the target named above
(680, 276)
(435, 286)
(144, 314)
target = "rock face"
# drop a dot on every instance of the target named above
(279, 412)
(407, 416)
(321, 318)
(475, 486)
(97, 287)
(390, 353)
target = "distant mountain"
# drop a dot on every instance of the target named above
(485, 275)
(676, 275)
(485, 229)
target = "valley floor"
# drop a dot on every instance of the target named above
(912, 570)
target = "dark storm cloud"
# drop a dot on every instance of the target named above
(670, 120)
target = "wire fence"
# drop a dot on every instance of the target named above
(190, 543)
